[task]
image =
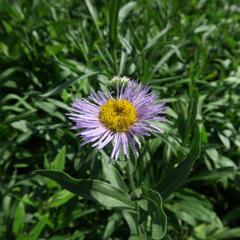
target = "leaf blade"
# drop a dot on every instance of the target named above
(179, 174)
(96, 190)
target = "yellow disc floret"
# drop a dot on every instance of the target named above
(118, 115)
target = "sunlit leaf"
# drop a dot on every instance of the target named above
(99, 191)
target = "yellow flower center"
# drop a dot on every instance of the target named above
(118, 115)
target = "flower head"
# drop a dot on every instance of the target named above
(120, 118)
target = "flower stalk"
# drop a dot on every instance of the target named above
(135, 192)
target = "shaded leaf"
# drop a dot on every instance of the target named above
(179, 174)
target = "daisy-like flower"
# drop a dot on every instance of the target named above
(122, 117)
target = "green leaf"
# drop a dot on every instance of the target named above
(174, 50)
(179, 174)
(114, 177)
(36, 231)
(60, 198)
(111, 226)
(111, 173)
(66, 84)
(6, 206)
(114, 6)
(6, 74)
(192, 115)
(132, 221)
(94, 16)
(126, 9)
(59, 162)
(214, 175)
(102, 192)
(225, 141)
(228, 234)
(196, 211)
(152, 204)
(19, 218)
(155, 40)
(137, 238)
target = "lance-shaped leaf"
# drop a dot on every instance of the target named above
(179, 174)
(102, 192)
(152, 203)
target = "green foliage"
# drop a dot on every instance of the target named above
(188, 178)
(100, 191)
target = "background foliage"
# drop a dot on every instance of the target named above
(53, 51)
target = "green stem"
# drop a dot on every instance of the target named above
(130, 171)
(135, 194)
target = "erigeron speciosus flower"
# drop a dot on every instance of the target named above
(121, 117)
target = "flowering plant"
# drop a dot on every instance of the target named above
(123, 116)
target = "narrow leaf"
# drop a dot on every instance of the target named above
(228, 234)
(102, 192)
(60, 198)
(152, 203)
(66, 84)
(114, 6)
(214, 175)
(59, 161)
(19, 219)
(179, 174)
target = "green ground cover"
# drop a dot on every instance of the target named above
(52, 51)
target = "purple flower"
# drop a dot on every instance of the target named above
(120, 118)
